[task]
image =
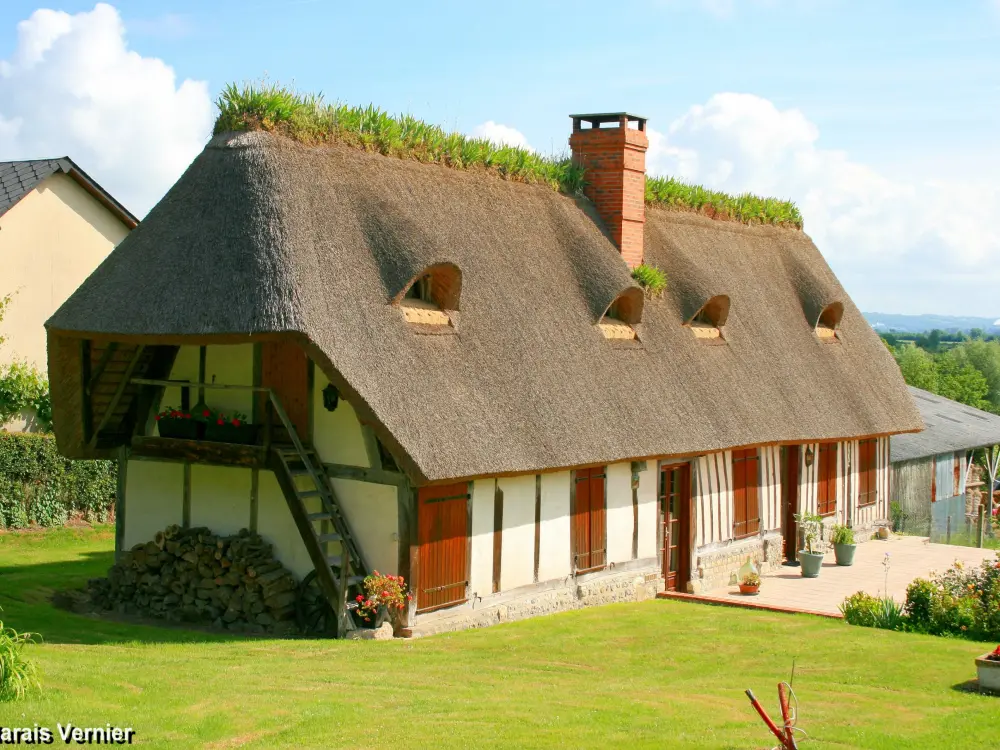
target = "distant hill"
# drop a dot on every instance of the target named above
(891, 322)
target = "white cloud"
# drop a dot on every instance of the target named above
(73, 87)
(503, 135)
(907, 246)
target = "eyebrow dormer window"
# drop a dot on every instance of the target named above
(430, 296)
(708, 322)
(828, 324)
(618, 320)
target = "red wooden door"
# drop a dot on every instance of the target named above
(589, 515)
(675, 505)
(790, 498)
(443, 538)
(284, 368)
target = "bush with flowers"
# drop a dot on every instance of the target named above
(381, 590)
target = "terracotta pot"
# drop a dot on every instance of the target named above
(746, 588)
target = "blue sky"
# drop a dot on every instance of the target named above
(880, 119)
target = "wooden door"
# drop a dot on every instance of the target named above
(790, 499)
(443, 539)
(284, 367)
(588, 521)
(675, 515)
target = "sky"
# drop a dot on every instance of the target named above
(881, 120)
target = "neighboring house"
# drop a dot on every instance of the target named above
(930, 469)
(56, 226)
(504, 418)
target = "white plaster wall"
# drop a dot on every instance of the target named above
(620, 516)
(648, 517)
(372, 513)
(336, 434)
(517, 560)
(220, 498)
(275, 525)
(185, 368)
(228, 365)
(481, 566)
(554, 527)
(154, 499)
(52, 239)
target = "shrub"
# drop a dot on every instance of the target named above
(17, 675)
(861, 609)
(650, 278)
(919, 605)
(842, 535)
(22, 386)
(39, 486)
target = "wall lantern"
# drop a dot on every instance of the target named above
(331, 397)
(810, 455)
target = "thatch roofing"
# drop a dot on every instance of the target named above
(950, 427)
(263, 235)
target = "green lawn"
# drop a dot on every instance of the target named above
(658, 674)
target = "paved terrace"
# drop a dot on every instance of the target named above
(909, 558)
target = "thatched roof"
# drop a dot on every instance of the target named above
(266, 236)
(950, 427)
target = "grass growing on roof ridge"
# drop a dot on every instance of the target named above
(307, 117)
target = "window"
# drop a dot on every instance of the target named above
(826, 480)
(443, 537)
(618, 319)
(829, 322)
(867, 465)
(746, 502)
(707, 323)
(588, 520)
(428, 296)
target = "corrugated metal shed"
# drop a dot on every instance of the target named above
(951, 426)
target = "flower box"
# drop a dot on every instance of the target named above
(988, 671)
(173, 423)
(243, 434)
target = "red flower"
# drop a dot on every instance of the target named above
(220, 421)
(187, 416)
(157, 417)
(206, 413)
(236, 423)
(359, 598)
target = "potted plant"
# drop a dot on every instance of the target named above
(383, 600)
(843, 544)
(230, 428)
(811, 561)
(176, 423)
(750, 584)
(988, 671)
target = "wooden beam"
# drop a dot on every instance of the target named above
(414, 551)
(186, 497)
(361, 474)
(497, 535)
(254, 498)
(198, 451)
(101, 364)
(405, 528)
(126, 378)
(538, 522)
(120, 501)
(371, 446)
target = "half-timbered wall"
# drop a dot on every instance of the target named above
(713, 498)
(849, 509)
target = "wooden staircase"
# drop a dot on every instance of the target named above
(321, 522)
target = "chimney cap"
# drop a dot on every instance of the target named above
(599, 118)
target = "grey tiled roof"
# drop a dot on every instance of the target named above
(951, 426)
(18, 178)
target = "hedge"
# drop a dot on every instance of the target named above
(40, 487)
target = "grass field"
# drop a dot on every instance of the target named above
(658, 674)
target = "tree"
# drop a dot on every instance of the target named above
(985, 357)
(961, 382)
(918, 367)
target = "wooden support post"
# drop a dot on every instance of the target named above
(254, 498)
(414, 551)
(120, 502)
(538, 522)
(186, 502)
(345, 571)
(981, 525)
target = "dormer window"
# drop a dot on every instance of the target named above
(618, 320)
(707, 324)
(430, 296)
(828, 324)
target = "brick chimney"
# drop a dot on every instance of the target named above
(615, 160)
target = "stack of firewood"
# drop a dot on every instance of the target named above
(196, 576)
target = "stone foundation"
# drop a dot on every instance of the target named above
(716, 566)
(636, 584)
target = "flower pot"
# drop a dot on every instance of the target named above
(242, 434)
(811, 563)
(181, 429)
(381, 616)
(748, 589)
(988, 672)
(845, 553)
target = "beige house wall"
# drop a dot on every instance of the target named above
(50, 241)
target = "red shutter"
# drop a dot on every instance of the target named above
(443, 535)
(826, 491)
(746, 503)
(588, 527)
